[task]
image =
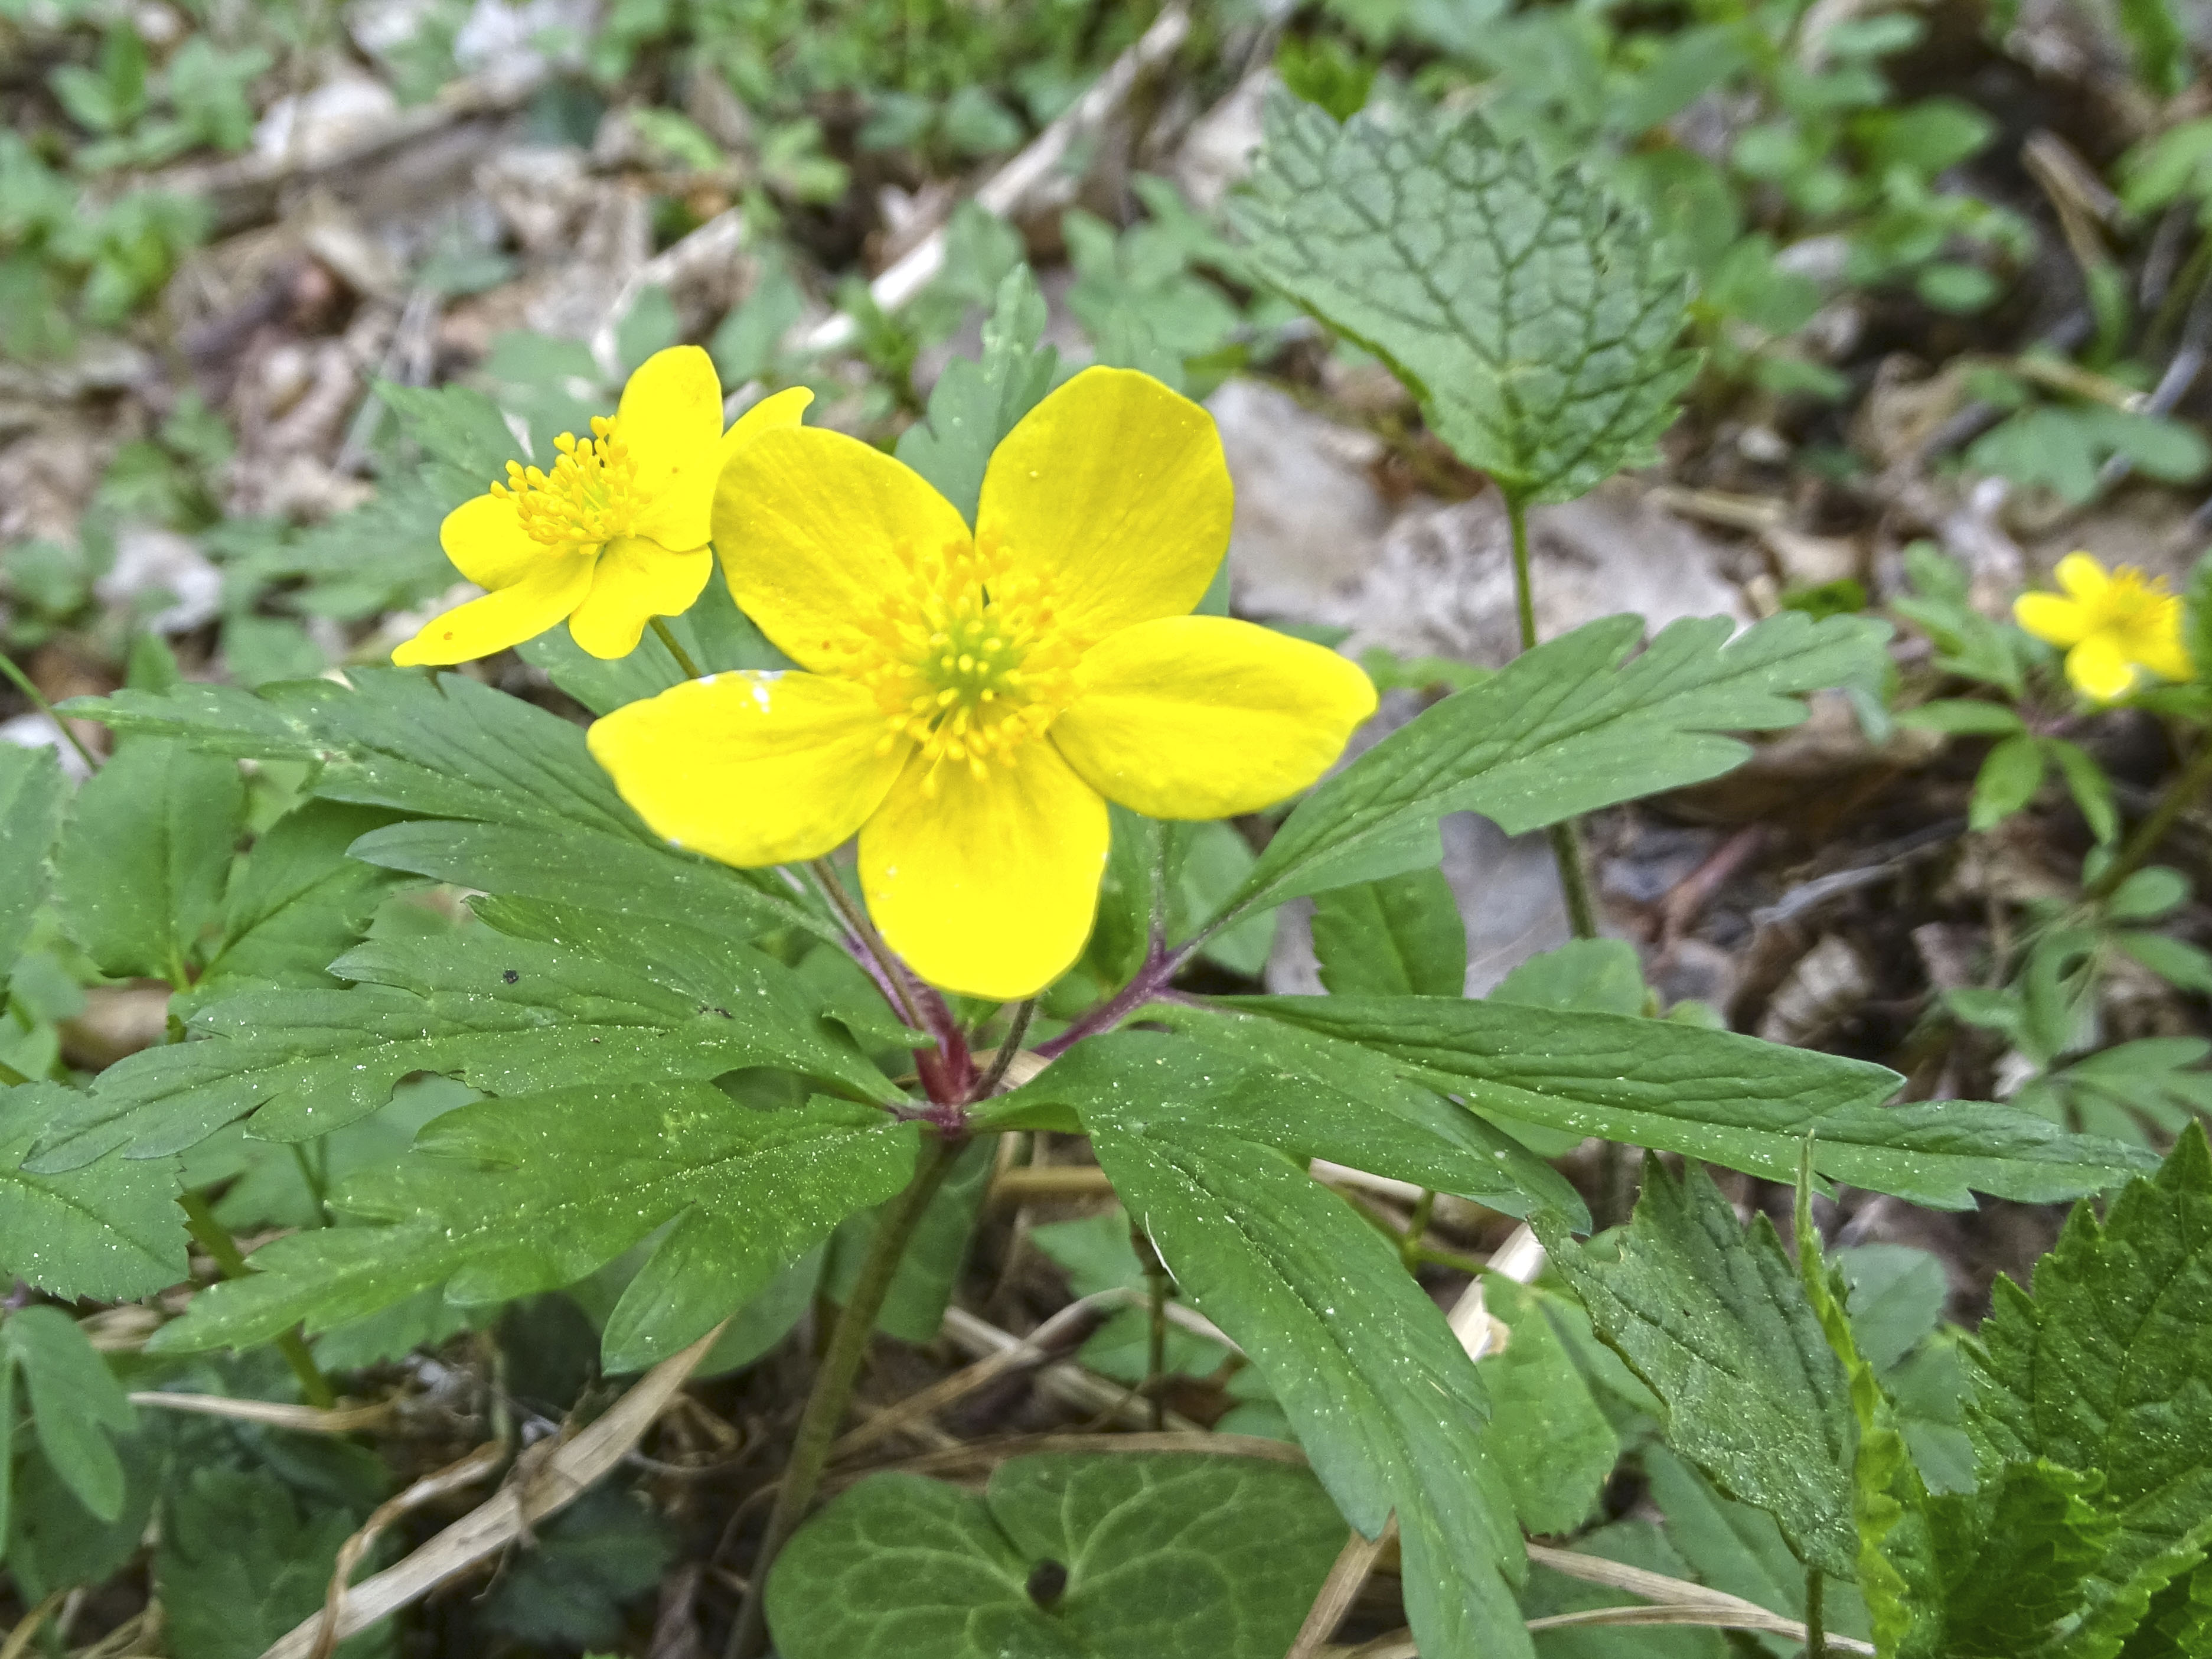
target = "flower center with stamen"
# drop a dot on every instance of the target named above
(587, 500)
(966, 657)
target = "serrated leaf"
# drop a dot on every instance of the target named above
(1712, 1318)
(2108, 1369)
(1401, 936)
(717, 636)
(1536, 320)
(1594, 975)
(1552, 1444)
(141, 863)
(453, 749)
(2013, 1558)
(975, 402)
(75, 1403)
(2179, 1624)
(1734, 1547)
(1385, 1401)
(568, 1587)
(1712, 1095)
(1158, 1556)
(505, 1197)
(628, 1004)
(1565, 728)
(239, 1564)
(31, 794)
(1263, 1084)
(107, 1230)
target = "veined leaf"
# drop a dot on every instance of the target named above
(1383, 1399)
(239, 1563)
(505, 1015)
(75, 1403)
(141, 864)
(1713, 1095)
(107, 1230)
(1565, 728)
(1536, 320)
(1400, 936)
(1306, 1096)
(30, 814)
(1064, 1556)
(1551, 1441)
(976, 402)
(506, 1197)
(1714, 1322)
(2108, 1369)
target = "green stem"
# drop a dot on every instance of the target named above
(691, 670)
(1566, 839)
(1009, 1046)
(317, 1188)
(39, 702)
(1417, 1229)
(1156, 1344)
(2177, 799)
(1816, 1634)
(214, 1238)
(833, 1385)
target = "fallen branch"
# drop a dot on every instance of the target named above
(503, 1517)
(274, 1413)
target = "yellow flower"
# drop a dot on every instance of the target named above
(969, 702)
(615, 535)
(2113, 626)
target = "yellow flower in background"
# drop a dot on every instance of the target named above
(968, 703)
(2113, 626)
(615, 535)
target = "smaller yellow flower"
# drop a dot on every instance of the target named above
(615, 535)
(2114, 626)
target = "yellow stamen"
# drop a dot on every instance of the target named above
(587, 500)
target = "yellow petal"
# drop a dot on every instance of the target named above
(1117, 489)
(484, 538)
(2060, 622)
(2162, 651)
(635, 582)
(751, 768)
(987, 886)
(1200, 717)
(807, 523)
(503, 619)
(2081, 576)
(770, 413)
(670, 421)
(2099, 669)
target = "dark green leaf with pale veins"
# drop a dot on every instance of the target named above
(30, 813)
(107, 1230)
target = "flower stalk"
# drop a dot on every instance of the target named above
(1566, 837)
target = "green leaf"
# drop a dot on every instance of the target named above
(239, 1566)
(922, 1289)
(2013, 1558)
(1552, 1444)
(974, 403)
(141, 864)
(2011, 774)
(1963, 717)
(1378, 1390)
(608, 1548)
(1306, 1096)
(1593, 976)
(1897, 1298)
(505, 1197)
(30, 814)
(1633, 1543)
(717, 635)
(1566, 728)
(75, 1403)
(454, 749)
(107, 1230)
(1065, 1556)
(1714, 1322)
(616, 1001)
(2178, 1624)
(2103, 1371)
(1401, 936)
(1712, 1095)
(1734, 1547)
(1535, 318)
(2087, 782)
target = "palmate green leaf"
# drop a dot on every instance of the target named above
(1712, 1095)
(507, 1197)
(1551, 1440)
(1400, 936)
(2107, 1370)
(1536, 320)
(1565, 728)
(31, 795)
(1309, 1098)
(450, 749)
(76, 1404)
(239, 1565)
(140, 865)
(626, 1004)
(107, 1230)
(2013, 1558)
(1712, 1318)
(975, 402)
(1064, 1556)
(1385, 1401)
